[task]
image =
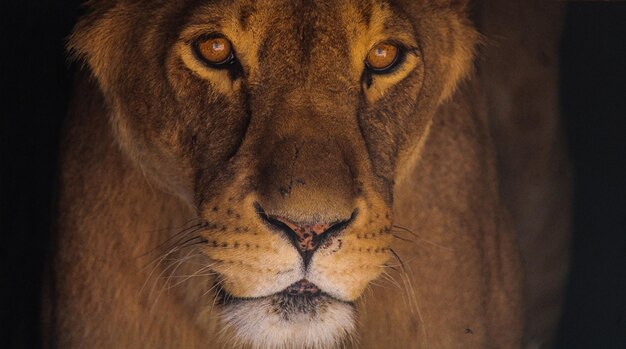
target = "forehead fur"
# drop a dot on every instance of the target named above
(301, 39)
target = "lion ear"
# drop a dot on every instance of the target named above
(95, 41)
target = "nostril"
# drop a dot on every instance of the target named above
(306, 237)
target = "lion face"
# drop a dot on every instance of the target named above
(285, 124)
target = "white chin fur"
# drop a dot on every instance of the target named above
(262, 323)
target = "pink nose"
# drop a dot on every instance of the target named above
(307, 235)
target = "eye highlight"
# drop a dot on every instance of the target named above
(214, 50)
(383, 57)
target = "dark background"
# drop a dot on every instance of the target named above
(36, 83)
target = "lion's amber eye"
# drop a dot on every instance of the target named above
(382, 57)
(215, 51)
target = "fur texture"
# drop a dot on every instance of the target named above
(173, 170)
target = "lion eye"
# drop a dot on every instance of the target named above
(382, 57)
(216, 51)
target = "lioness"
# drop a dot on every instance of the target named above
(291, 174)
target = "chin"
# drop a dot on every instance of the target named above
(284, 320)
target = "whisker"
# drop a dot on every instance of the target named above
(182, 232)
(198, 273)
(417, 236)
(386, 276)
(410, 290)
(180, 262)
(160, 277)
(156, 266)
(177, 244)
(175, 264)
(403, 228)
(401, 238)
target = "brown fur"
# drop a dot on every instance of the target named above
(536, 181)
(156, 141)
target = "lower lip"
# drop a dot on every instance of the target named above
(227, 299)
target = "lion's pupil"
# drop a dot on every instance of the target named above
(382, 57)
(214, 50)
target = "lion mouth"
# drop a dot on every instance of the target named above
(301, 297)
(302, 288)
(302, 312)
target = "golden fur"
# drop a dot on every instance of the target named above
(169, 167)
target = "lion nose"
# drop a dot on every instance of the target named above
(305, 237)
